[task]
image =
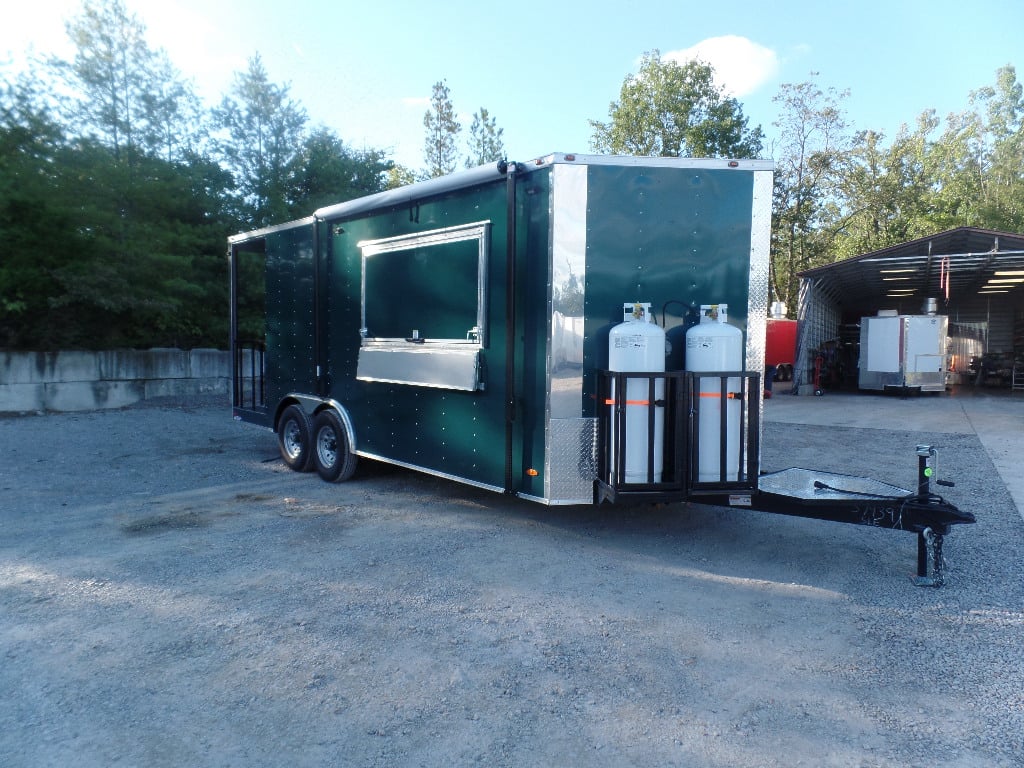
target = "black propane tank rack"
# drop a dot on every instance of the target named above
(681, 404)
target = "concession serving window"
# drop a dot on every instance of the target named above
(424, 306)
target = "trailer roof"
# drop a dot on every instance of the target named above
(403, 195)
(649, 162)
(462, 179)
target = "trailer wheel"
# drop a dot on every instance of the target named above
(293, 439)
(332, 453)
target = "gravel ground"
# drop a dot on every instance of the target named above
(170, 594)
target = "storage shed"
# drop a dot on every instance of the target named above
(976, 279)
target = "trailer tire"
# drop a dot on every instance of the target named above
(293, 439)
(332, 454)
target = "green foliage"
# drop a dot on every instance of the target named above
(113, 221)
(262, 130)
(673, 110)
(398, 176)
(808, 155)
(325, 171)
(1001, 181)
(969, 173)
(440, 150)
(115, 203)
(485, 140)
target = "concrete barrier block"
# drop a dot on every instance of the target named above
(16, 368)
(22, 398)
(68, 366)
(120, 364)
(166, 364)
(185, 387)
(42, 367)
(131, 364)
(92, 395)
(81, 381)
(209, 363)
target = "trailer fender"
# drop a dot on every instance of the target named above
(308, 403)
(344, 416)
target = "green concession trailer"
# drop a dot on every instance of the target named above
(534, 329)
(456, 325)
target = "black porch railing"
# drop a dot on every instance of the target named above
(248, 373)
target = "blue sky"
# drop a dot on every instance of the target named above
(543, 69)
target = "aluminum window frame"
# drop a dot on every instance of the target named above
(478, 230)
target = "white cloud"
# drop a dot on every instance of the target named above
(741, 65)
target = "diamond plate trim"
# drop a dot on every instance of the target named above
(572, 461)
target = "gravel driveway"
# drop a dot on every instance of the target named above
(170, 594)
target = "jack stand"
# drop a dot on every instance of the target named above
(929, 547)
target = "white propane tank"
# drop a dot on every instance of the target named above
(714, 345)
(638, 345)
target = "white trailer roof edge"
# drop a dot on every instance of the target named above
(648, 162)
(257, 233)
(413, 192)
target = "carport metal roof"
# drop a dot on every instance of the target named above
(956, 264)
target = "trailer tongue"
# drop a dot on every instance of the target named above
(468, 327)
(863, 501)
(736, 480)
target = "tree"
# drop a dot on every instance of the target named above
(398, 176)
(130, 96)
(810, 146)
(117, 240)
(439, 148)
(485, 142)
(673, 110)
(263, 129)
(325, 171)
(36, 230)
(953, 169)
(893, 194)
(111, 220)
(872, 185)
(1002, 153)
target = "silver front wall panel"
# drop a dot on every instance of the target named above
(760, 250)
(570, 441)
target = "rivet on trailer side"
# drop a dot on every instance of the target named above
(467, 327)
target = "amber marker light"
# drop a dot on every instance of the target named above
(532, 472)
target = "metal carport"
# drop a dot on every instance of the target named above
(976, 275)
